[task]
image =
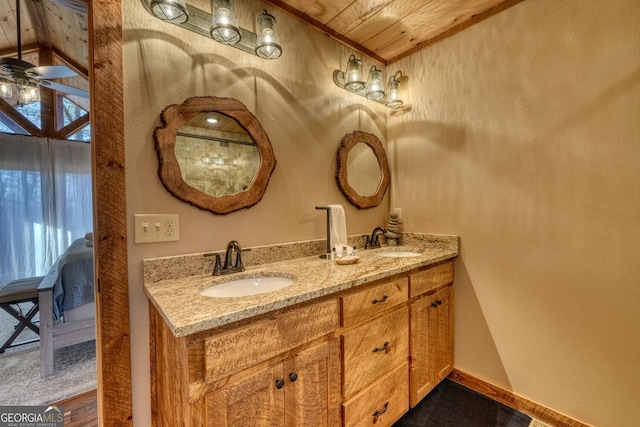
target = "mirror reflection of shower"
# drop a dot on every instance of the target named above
(216, 156)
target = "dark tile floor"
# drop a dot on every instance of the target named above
(453, 405)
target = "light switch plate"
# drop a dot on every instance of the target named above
(153, 228)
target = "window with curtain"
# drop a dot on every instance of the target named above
(45, 199)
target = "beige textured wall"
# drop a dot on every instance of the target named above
(295, 100)
(524, 139)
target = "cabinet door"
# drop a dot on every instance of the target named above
(431, 348)
(256, 401)
(312, 390)
(443, 333)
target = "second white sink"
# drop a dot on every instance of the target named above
(248, 286)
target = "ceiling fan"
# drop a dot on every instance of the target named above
(27, 77)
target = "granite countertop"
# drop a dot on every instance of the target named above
(186, 312)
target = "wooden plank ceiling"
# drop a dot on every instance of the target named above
(387, 30)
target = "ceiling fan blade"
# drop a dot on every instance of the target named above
(51, 72)
(64, 88)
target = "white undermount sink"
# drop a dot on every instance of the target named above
(398, 254)
(248, 286)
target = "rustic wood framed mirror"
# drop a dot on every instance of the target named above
(214, 154)
(363, 170)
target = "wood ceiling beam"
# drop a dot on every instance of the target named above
(21, 120)
(72, 127)
(12, 51)
(47, 98)
(38, 15)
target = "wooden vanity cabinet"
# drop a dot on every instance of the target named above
(281, 370)
(431, 329)
(303, 390)
(361, 358)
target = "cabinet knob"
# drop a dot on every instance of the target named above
(293, 377)
(385, 347)
(434, 305)
(279, 384)
(383, 299)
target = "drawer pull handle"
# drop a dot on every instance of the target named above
(437, 303)
(385, 347)
(279, 384)
(376, 413)
(293, 377)
(376, 301)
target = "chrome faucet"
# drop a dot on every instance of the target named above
(229, 267)
(374, 240)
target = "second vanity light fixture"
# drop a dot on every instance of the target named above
(352, 79)
(222, 26)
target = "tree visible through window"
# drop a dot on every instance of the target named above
(72, 112)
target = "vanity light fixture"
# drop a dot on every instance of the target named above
(375, 89)
(224, 28)
(393, 92)
(268, 45)
(351, 80)
(353, 75)
(222, 25)
(170, 10)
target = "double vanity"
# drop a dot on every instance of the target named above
(300, 340)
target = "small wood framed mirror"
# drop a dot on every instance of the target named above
(213, 154)
(363, 170)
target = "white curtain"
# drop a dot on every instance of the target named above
(45, 202)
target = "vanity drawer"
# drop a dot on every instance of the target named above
(430, 279)
(236, 350)
(366, 304)
(380, 404)
(374, 348)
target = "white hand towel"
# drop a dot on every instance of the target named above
(338, 227)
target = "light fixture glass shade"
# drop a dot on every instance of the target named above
(267, 45)
(28, 93)
(224, 28)
(353, 75)
(6, 89)
(375, 90)
(170, 10)
(393, 94)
